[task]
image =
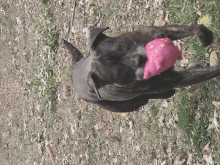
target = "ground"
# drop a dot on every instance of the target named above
(43, 121)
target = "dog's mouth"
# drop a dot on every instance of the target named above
(139, 73)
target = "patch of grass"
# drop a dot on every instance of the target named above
(15, 121)
(148, 124)
(154, 110)
(43, 83)
(212, 8)
(195, 130)
(216, 151)
(92, 118)
(136, 17)
(96, 11)
(50, 124)
(185, 13)
(153, 153)
(45, 2)
(51, 39)
(181, 12)
(43, 80)
(92, 154)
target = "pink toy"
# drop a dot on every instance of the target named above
(161, 54)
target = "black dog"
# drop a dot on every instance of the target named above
(112, 74)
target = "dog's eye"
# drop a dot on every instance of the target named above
(120, 51)
(119, 48)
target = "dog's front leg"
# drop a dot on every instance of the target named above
(175, 32)
(197, 74)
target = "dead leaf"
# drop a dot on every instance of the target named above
(184, 62)
(160, 21)
(206, 147)
(181, 156)
(216, 104)
(193, 94)
(58, 78)
(213, 59)
(205, 20)
(133, 154)
(164, 162)
(208, 159)
(196, 112)
(200, 106)
(161, 121)
(191, 51)
(164, 105)
(211, 125)
(167, 20)
(215, 120)
(123, 115)
(158, 156)
(91, 11)
(192, 112)
(158, 3)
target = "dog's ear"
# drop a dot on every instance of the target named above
(75, 53)
(93, 83)
(96, 36)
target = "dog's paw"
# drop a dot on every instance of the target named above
(205, 35)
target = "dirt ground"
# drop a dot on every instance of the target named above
(76, 132)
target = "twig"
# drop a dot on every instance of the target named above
(73, 17)
(50, 151)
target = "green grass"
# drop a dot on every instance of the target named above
(195, 131)
(91, 153)
(96, 12)
(43, 79)
(184, 13)
(45, 2)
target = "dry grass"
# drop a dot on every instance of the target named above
(44, 122)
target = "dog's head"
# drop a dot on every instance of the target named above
(112, 60)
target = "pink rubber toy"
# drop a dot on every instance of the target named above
(161, 55)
